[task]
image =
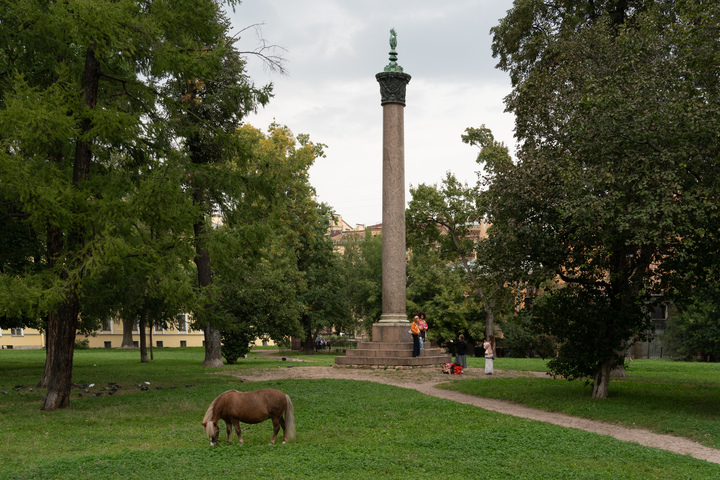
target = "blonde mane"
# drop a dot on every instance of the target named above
(208, 418)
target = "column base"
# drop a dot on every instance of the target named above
(389, 333)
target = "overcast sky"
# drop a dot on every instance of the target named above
(333, 50)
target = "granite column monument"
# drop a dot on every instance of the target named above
(391, 343)
(393, 325)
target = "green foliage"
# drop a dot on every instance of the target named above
(236, 342)
(520, 339)
(616, 114)
(325, 296)
(440, 221)
(362, 258)
(588, 330)
(694, 331)
(441, 290)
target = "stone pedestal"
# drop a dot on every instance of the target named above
(400, 333)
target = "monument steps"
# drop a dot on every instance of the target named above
(393, 354)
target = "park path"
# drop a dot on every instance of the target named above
(425, 380)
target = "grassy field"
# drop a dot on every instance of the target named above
(664, 396)
(346, 429)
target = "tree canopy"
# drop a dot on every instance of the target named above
(100, 104)
(616, 113)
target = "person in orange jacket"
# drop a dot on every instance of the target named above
(415, 330)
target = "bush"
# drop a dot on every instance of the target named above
(695, 330)
(82, 345)
(236, 342)
(522, 341)
(340, 341)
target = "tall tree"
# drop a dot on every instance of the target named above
(616, 118)
(324, 294)
(255, 253)
(362, 257)
(443, 291)
(207, 112)
(442, 217)
(79, 85)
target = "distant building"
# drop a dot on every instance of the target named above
(110, 335)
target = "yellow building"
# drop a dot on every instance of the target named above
(111, 335)
(21, 338)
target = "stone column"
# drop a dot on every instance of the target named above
(393, 325)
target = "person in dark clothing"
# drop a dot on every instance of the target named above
(461, 352)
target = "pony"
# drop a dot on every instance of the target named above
(250, 407)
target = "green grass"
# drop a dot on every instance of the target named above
(346, 429)
(678, 398)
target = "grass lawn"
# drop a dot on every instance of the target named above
(346, 429)
(679, 398)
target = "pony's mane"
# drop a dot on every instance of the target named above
(207, 419)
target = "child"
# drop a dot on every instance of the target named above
(489, 346)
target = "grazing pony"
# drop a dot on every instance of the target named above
(250, 407)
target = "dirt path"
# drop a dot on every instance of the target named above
(425, 380)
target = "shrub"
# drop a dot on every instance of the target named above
(236, 342)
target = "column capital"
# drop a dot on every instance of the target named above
(392, 87)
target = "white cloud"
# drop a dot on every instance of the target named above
(335, 48)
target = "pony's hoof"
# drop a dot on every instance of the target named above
(212, 444)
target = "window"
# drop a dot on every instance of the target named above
(182, 322)
(107, 325)
(136, 327)
(17, 332)
(159, 328)
(183, 343)
(136, 344)
(159, 343)
(108, 344)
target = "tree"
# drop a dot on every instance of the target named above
(615, 121)
(206, 112)
(694, 330)
(79, 85)
(324, 293)
(257, 284)
(442, 218)
(362, 258)
(443, 291)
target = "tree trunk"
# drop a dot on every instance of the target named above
(54, 250)
(309, 344)
(62, 325)
(127, 341)
(489, 319)
(143, 338)
(213, 345)
(601, 383)
(60, 349)
(213, 352)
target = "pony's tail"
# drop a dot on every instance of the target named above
(289, 420)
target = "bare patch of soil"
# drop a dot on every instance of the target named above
(426, 379)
